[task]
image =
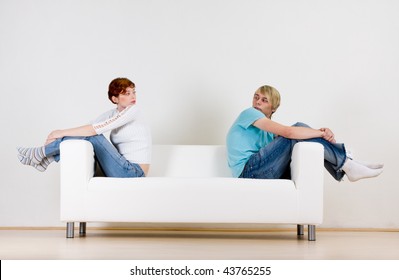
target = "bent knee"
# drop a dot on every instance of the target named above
(301, 124)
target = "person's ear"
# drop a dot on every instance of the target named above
(115, 99)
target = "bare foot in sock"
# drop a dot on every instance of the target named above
(42, 166)
(372, 165)
(36, 155)
(356, 171)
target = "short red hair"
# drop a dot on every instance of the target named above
(119, 86)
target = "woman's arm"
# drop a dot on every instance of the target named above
(293, 132)
(129, 114)
(86, 130)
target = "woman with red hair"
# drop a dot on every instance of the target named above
(129, 152)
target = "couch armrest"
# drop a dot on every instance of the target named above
(307, 172)
(77, 168)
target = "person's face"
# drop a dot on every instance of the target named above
(262, 103)
(126, 99)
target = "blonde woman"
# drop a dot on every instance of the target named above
(260, 148)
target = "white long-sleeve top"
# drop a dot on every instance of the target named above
(129, 133)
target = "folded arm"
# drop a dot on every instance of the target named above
(293, 132)
(106, 124)
(85, 130)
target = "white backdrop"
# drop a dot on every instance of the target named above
(196, 65)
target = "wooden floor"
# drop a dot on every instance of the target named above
(198, 245)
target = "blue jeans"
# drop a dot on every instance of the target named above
(273, 160)
(110, 160)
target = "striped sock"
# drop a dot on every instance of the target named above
(36, 155)
(46, 161)
(42, 166)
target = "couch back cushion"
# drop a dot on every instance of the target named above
(189, 161)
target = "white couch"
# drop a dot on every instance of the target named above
(191, 184)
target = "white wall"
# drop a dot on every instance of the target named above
(196, 65)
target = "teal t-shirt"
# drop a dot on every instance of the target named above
(243, 140)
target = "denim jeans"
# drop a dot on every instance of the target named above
(273, 160)
(112, 163)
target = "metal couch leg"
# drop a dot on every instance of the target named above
(70, 230)
(311, 232)
(82, 228)
(299, 229)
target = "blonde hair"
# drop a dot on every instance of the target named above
(272, 95)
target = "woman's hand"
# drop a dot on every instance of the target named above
(328, 135)
(53, 136)
(85, 130)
